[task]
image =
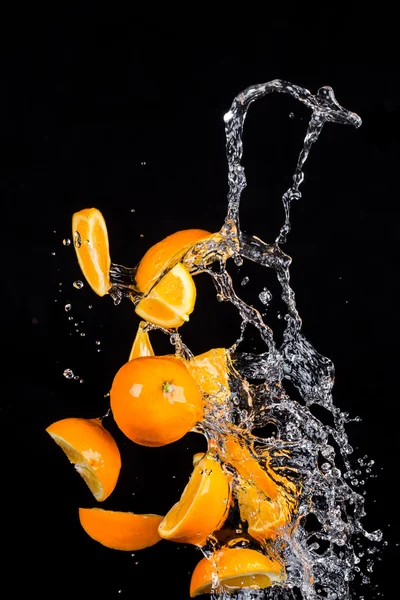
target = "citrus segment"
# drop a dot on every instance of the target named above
(171, 301)
(141, 345)
(120, 530)
(203, 506)
(210, 370)
(235, 568)
(91, 245)
(158, 258)
(155, 401)
(93, 451)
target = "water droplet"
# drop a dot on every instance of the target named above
(68, 374)
(77, 239)
(143, 163)
(90, 306)
(291, 115)
(244, 281)
(83, 334)
(70, 318)
(265, 296)
(81, 381)
(78, 284)
(141, 235)
(66, 241)
(53, 253)
(133, 210)
(98, 342)
(67, 307)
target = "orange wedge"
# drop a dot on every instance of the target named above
(264, 517)
(240, 457)
(120, 530)
(171, 301)
(235, 568)
(141, 345)
(91, 245)
(210, 370)
(155, 401)
(164, 254)
(203, 506)
(92, 450)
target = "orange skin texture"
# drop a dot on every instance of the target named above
(155, 401)
(120, 530)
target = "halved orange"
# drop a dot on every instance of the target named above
(155, 401)
(171, 301)
(141, 344)
(203, 506)
(160, 256)
(120, 530)
(90, 240)
(92, 450)
(235, 568)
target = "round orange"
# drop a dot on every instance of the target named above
(120, 530)
(155, 401)
(93, 451)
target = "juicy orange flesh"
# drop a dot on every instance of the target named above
(210, 371)
(152, 307)
(180, 509)
(263, 516)
(120, 530)
(171, 288)
(141, 345)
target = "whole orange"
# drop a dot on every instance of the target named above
(155, 400)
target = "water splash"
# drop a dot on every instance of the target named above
(307, 458)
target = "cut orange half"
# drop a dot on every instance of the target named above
(171, 301)
(92, 450)
(203, 506)
(160, 256)
(120, 530)
(141, 345)
(90, 240)
(235, 568)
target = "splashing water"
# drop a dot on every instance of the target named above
(308, 459)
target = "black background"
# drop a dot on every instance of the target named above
(88, 97)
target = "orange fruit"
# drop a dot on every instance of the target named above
(247, 466)
(264, 517)
(203, 506)
(171, 301)
(235, 568)
(155, 400)
(162, 255)
(120, 530)
(141, 345)
(210, 370)
(91, 245)
(93, 451)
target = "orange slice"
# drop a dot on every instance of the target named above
(164, 254)
(210, 370)
(91, 245)
(264, 517)
(141, 345)
(235, 568)
(120, 530)
(203, 506)
(155, 401)
(92, 450)
(240, 457)
(171, 301)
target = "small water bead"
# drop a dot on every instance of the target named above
(90, 306)
(67, 307)
(66, 241)
(70, 318)
(244, 281)
(265, 296)
(68, 374)
(133, 210)
(83, 334)
(53, 253)
(78, 284)
(77, 239)
(98, 342)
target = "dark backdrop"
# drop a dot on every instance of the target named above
(123, 113)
